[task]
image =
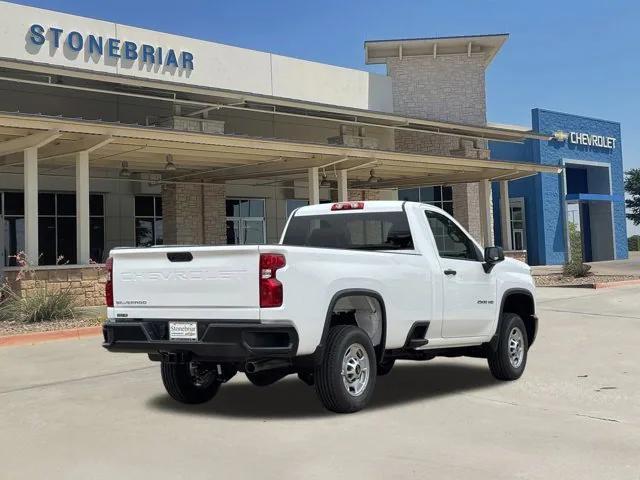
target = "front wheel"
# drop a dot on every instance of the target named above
(189, 382)
(346, 378)
(509, 359)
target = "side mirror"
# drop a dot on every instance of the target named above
(492, 255)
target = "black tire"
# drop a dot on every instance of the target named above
(330, 387)
(183, 387)
(385, 366)
(500, 360)
(267, 377)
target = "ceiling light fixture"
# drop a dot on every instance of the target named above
(125, 172)
(170, 166)
(325, 181)
(372, 177)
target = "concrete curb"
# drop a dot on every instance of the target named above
(39, 337)
(597, 286)
(621, 283)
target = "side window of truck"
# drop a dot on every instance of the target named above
(451, 241)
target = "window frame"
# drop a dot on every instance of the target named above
(479, 255)
(55, 216)
(518, 202)
(436, 203)
(153, 219)
(241, 219)
(404, 251)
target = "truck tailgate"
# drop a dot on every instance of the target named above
(186, 282)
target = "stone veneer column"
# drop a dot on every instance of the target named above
(215, 215)
(194, 214)
(449, 88)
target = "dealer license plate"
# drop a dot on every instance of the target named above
(183, 331)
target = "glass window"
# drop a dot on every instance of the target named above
(56, 227)
(66, 233)
(96, 241)
(451, 241)
(148, 221)
(409, 194)
(66, 204)
(13, 204)
(144, 206)
(13, 238)
(144, 232)
(364, 231)
(96, 205)
(293, 204)
(47, 240)
(245, 221)
(46, 204)
(439, 196)
(518, 227)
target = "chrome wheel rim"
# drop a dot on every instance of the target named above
(516, 347)
(355, 369)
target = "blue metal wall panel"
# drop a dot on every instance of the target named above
(544, 205)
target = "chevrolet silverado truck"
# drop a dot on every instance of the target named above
(351, 288)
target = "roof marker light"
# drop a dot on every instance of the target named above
(347, 206)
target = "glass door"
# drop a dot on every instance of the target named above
(245, 221)
(518, 229)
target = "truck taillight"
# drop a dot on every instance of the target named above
(270, 287)
(347, 206)
(108, 286)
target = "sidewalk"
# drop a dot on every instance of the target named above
(631, 266)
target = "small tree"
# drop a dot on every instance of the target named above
(632, 187)
(575, 267)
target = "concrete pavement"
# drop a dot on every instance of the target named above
(70, 410)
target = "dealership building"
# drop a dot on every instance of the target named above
(112, 135)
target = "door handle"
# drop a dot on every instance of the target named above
(450, 272)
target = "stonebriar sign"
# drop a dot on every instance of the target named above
(111, 47)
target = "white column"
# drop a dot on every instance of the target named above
(82, 207)
(505, 215)
(314, 186)
(486, 220)
(31, 205)
(343, 190)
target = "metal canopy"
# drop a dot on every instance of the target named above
(197, 100)
(220, 158)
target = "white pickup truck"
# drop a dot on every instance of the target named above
(350, 288)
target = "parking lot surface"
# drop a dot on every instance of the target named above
(70, 410)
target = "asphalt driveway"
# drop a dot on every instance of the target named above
(70, 410)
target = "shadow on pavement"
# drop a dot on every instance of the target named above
(290, 398)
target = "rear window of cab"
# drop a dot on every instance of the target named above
(355, 231)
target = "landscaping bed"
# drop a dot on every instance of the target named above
(589, 281)
(17, 328)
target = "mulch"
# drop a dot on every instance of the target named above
(590, 281)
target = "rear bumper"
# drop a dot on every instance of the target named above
(217, 341)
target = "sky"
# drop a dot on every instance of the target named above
(579, 57)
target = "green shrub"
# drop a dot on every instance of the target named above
(575, 267)
(634, 243)
(39, 306)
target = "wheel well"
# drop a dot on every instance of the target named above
(361, 310)
(522, 304)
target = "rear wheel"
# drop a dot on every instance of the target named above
(509, 359)
(189, 382)
(346, 378)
